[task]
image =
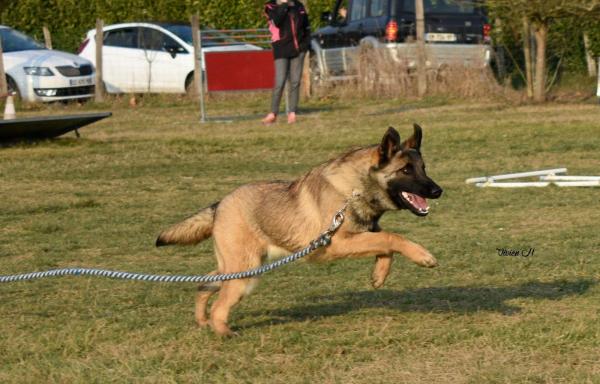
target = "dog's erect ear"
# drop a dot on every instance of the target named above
(414, 141)
(390, 145)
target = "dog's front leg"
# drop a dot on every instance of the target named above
(367, 244)
(383, 263)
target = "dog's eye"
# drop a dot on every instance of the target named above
(407, 170)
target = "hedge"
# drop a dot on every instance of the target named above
(69, 20)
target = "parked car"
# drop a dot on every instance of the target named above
(151, 57)
(39, 74)
(455, 30)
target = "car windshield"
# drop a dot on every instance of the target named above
(210, 37)
(13, 41)
(443, 6)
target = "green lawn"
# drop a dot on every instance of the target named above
(99, 201)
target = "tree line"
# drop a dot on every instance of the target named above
(538, 39)
(69, 20)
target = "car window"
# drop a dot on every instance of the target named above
(358, 10)
(377, 8)
(342, 12)
(124, 37)
(442, 6)
(13, 41)
(210, 37)
(184, 32)
(155, 40)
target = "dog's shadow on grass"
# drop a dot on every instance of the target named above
(454, 299)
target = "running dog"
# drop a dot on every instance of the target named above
(277, 217)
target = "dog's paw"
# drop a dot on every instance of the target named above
(202, 323)
(381, 271)
(222, 330)
(426, 260)
(377, 281)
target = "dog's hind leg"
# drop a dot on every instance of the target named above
(238, 251)
(381, 270)
(231, 293)
(205, 291)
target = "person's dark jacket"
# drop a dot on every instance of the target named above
(289, 27)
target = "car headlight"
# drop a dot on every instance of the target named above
(38, 71)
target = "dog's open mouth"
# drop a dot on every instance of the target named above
(417, 204)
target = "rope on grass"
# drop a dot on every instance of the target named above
(76, 271)
(323, 240)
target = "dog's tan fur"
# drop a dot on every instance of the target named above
(257, 218)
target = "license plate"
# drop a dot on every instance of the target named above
(440, 37)
(80, 82)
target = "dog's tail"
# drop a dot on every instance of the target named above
(192, 230)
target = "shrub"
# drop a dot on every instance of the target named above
(68, 20)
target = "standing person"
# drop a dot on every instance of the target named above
(290, 38)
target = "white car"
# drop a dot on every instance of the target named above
(150, 57)
(39, 74)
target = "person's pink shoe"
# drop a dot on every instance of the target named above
(292, 118)
(269, 119)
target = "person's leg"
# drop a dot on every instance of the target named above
(296, 65)
(281, 74)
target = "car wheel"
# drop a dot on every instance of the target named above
(189, 84)
(12, 88)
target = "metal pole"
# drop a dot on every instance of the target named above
(588, 183)
(523, 184)
(569, 178)
(99, 42)
(421, 59)
(526, 184)
(198, 75)
(516, 175)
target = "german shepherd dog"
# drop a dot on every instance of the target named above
(277, 217)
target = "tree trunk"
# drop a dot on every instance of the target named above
(539, 81)
(306, 78)
(528, 58)
(47, 37)
(589, 58)
(499, 51)
(421, 59)
(3, 85)
(99, 62)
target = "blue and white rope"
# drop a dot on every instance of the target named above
(322, 241)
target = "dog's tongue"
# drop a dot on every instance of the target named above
(416, 201)
(419, 201)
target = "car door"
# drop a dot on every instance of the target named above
(124, 66)
(169, 63)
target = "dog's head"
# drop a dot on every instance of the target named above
(400, 171)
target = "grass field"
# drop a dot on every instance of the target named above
(99, 201)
